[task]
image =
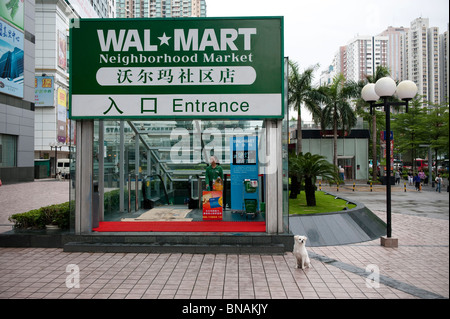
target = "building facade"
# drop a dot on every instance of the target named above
(395, 47)
(54, 133)
(352, 146)
(160, 8)
(364, 55)
(422, 61)
(17, 51)
(361, 56)
(444, 61)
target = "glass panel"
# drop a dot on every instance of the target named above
(8, 150)
(167, 161)
(285, 151)
(348, 165)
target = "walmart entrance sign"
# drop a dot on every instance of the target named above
(166, 68)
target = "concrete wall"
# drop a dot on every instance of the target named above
(346, 147)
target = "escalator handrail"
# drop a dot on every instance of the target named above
(164, 186)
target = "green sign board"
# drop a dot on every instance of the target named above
(177, 68)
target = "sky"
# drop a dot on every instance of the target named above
(315, 29)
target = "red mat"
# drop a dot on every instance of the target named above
(203, 226)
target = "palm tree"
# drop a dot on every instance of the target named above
(307, 167)
(301, 92)
(295, 176)
(337, 111)
(380, 72)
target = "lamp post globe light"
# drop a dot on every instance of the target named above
(406, 90)
(368, 93)
(385, 88)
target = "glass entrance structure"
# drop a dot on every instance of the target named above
(155, 170)
(156, 101)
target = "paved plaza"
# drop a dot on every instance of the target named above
(417, 269)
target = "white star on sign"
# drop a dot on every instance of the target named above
(164, 39)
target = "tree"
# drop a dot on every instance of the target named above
(409, 130)
(306, 167)
(337, 111)
(295, 176)
(301, 92)
(422, 126)
(437, 124)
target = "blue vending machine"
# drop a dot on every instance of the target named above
(244, 175)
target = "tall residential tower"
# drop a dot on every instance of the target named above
(160, 8)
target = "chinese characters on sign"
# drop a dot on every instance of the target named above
(176, 76)
(44, 91)
(212, 205)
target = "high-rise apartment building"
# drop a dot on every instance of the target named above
(160, 8)
(433, 66)
(361, 56)
(395, 48)
(421, 59)
(418, 53)
(444, 61)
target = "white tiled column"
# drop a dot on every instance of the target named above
(84, 177)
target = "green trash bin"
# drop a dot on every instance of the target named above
(250, 206)
(262, 207)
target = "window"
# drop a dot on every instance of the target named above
(8, 150)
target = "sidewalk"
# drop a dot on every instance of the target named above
(22, 197)
(418, 268)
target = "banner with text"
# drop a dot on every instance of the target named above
(171, 68)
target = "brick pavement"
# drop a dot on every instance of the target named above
(417, 269)
(421, 263)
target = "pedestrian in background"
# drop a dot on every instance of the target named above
(438, 182)
(422, 176)
(341, 172)
(410, 177)
(417, 182)
(397, 177)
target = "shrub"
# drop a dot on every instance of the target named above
(31, 219)
(58, 214)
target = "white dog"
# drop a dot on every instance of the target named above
(300, 252)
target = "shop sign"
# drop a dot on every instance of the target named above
(62, 115)
(177, 68)
(212, 205)
(44, 91)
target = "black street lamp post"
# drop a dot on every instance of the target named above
(385, 88)
(55, 145)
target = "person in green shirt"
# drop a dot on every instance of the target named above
(214, 173)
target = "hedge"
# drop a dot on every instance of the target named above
(58, 214)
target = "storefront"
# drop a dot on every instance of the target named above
(155, 100)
